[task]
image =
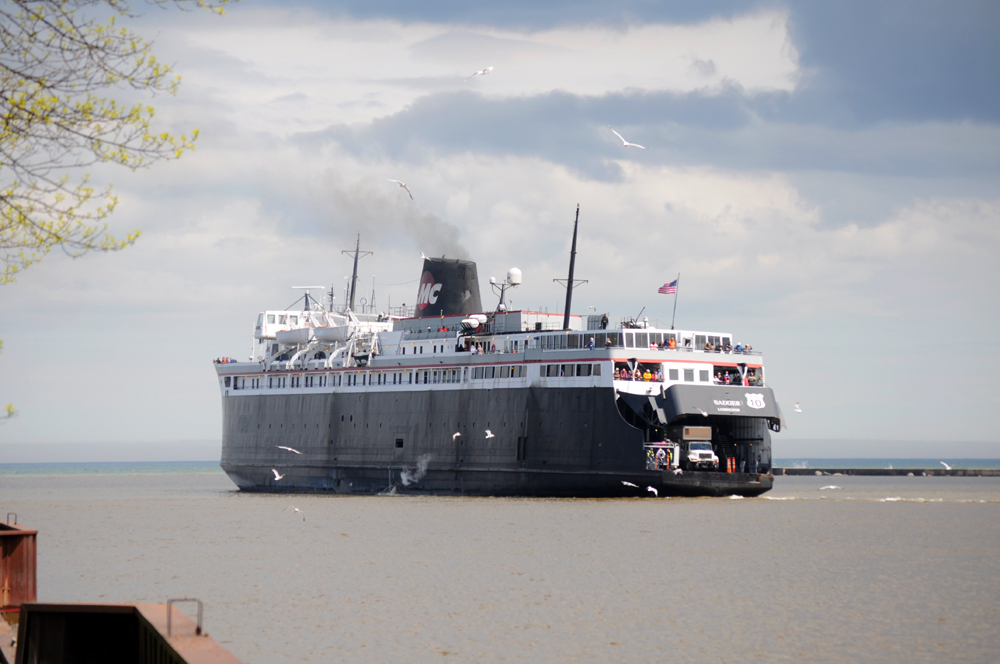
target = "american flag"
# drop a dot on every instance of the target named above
(669, 289)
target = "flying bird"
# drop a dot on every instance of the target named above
(456, 435)
(277, 475)
(678, 471)
(481, 72)
(832, 486)
(290, 449)
(703, 413)
(634, 486)
(298, 511)
(422, 256)
(400, 184)
(797, 409)
(946, 466)
(626, 144)
(652, 491)
(489, 434)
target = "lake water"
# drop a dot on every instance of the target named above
(883, 569)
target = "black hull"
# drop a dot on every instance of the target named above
(547, 442)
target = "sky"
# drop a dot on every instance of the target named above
(822, 176)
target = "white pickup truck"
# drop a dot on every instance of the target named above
(699, 455)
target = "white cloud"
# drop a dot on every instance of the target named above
(351, 71)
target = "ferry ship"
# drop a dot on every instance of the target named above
(452, 399)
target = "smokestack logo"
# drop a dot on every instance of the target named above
(428, 293)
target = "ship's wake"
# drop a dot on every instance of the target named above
(410, 476)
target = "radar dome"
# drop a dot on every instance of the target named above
(514, 276)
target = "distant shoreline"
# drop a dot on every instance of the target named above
(924, 472)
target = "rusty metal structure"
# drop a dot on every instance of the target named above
(18, 558)
(115, 634)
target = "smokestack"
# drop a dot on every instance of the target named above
(447, 288)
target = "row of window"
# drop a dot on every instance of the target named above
(408, 377)
(282, 319)
(625, 340)
(567, 370)
(653, 372)
(518, 371)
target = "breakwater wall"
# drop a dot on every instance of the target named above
(905, 472)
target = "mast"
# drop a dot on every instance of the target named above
(357, 253)
(572, 266)
(677, 286)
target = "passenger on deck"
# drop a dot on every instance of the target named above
(748, 349)
(672, 344)
(646, 375)
(659, 376)
(590, 344)
(708, 346)
(726, 379)
(728, 348)
(739, 348)
(608, 343)
(604, 322)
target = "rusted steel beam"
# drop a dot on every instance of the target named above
(114, 632)
(18, 561)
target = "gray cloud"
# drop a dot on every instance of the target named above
(727, 130)
(378, 209)
(912, 60)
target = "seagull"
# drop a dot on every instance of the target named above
(797, 409)
(481, 72)
(832, 486)
(946, 466)
(290, 449)
(298, 511)
(421, 253)
(704, 414)
(277, 475)
(634, 486)
(652, 490)
(626, 144)
(489, 434)
(456, 435)
(404, 187)
(678, 471)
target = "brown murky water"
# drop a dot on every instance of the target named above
(881, 570)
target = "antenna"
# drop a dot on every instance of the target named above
(357, 253)
(305, 307)
(513, 280)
